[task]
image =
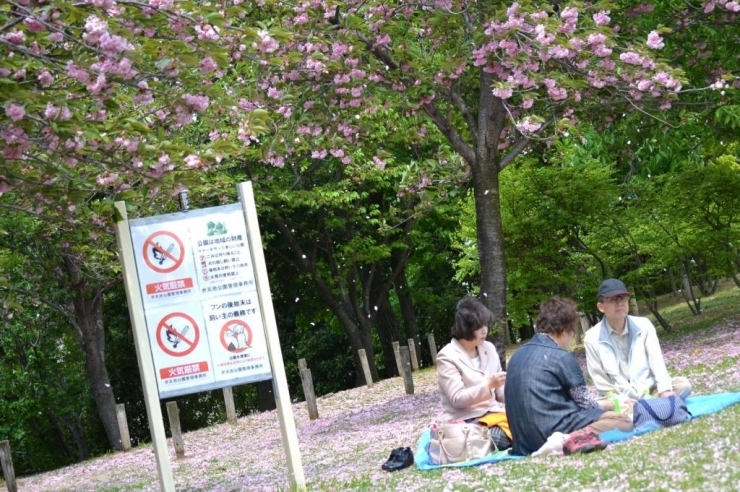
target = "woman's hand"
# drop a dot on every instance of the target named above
(496, 380)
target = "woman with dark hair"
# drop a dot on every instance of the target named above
(547, 391)
(471, 380)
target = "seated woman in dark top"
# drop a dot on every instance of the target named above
(546, 394)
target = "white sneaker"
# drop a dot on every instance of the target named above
(553, 445)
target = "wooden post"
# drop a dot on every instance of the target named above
(279, 378)
(585, 325)
(230, 407)
(174, 415)
(408, 380)
(412, 355)
(143, 351)
(123, 427)
(432, 348)
(313, 411)
(7, 465)
(365, 368)
(397, 354)
(302, 365)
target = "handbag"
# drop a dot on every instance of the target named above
(456, 442)
(660, 412)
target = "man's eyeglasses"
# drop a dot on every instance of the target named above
(617, 299)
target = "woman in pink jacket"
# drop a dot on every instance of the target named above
(471, 380)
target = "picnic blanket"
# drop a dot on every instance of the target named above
(698, 405)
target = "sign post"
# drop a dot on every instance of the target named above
(279, 381)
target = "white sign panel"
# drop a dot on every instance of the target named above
(238, 347)
(200, 300)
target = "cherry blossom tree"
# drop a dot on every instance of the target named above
(95, 96)
(490, 77)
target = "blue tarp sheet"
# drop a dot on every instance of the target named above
(698, 405)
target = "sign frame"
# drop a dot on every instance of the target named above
(135, 297)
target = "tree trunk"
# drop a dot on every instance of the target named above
(57, 435)
(688, 291)
(672, 280)
(345, 314)
(89, 315)
(490, 235)
(653, 307)
(388, 332)
(408, 312)
(74, 428)
(736, 280)
(265, 396)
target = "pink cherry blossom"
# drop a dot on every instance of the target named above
(273, 93)
(14, 37)
(655, 41)
(161, 4)
(207, 32)
(503, 92)
(382, 40)
(114, 44)
(631, 58)
(208, 65)
(602, 18)
(267, 44)
(193, 161)
(379, 162)
(33, 25)
(107, 178)
(45, 78)
(528, 125)
(95, 27)
(77, 73)
(15, 112)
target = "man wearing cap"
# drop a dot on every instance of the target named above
(623, 353)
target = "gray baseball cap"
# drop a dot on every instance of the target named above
(612, 287)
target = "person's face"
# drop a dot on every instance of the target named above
(479, 335)
(615, 307)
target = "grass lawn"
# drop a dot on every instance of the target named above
(357, 429)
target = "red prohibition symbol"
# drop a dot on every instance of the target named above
(163, 251)
(177, 334)
(236, 336)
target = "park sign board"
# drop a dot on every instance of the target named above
(201, 312)
(201, 307)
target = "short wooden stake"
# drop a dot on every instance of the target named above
(313, 411)
(123, 427)
(408, 380)
(7, 465)
(302, 365)
(174, 415)
(432, 348)
(412, 354)
(230, 407)
(585, 325)
(397, 354)
(365, 368)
